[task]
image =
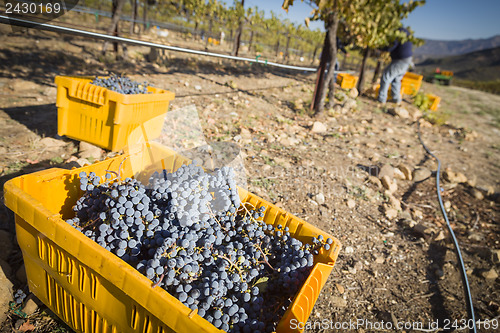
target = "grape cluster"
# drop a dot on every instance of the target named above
(19, 296)
(189, 233)
(121, 84)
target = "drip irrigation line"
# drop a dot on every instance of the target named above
(465, 281)
(49, 27)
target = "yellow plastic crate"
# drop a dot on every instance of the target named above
(411, 83)
(346, 81)
(434, 100)
(389, 92)
(103, 117)
(94, 291)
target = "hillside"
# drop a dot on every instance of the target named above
(479, 65)
(441, 48)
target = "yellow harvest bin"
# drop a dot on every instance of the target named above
(103, 117)
(389, 91)
(93, 290)
(434, 100)
(411, 83)
(346, 81)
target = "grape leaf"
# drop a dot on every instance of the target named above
(262, 284)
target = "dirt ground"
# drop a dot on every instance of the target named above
(392, 268)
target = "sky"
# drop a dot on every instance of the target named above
(437, 19)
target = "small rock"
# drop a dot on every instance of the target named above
(389, 130)
(394, 203)
(375, 181)
(440, 236)
(87, 150)
(421, 174)
(30, 307)
(490, 275)
(83, 162)
(353, 93)
(270, 138)
(21, 275)
(337, 109)
(350, 104)
(319, 127)
(351, 203)
(380, 260)
(408, 223)
(472, 181)
(299, 103)
(186, 84)
(398, 174)
(477, 194)
(447, 205)
(371, 145)
(5, 295)
(405, 215)
(5, 244)
(348, 250)
(340, 95)
(197, 87)
(454, 177)
(320, 198)
(386, 182)
(422, 230)
(386, 170)
(400, 112)
(415, 114)
(358, 266)
(289, 141)
(338, 302)
(51, 143)
(375, 157)
(417, 214)
(405, 170)
(390, 212)
(389, 185)
(495, 256)
(471, 136)
(340, 288)
(476, 236)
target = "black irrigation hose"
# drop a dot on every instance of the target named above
(465, 281)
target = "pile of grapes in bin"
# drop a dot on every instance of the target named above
(121, 84)
(189, 233)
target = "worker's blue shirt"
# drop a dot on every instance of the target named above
(401, 51)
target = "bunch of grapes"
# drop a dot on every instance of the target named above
(19, 296)
(121, 84)
(189, 233)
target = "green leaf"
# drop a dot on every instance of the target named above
(261, 284)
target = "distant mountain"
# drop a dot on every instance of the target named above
(481, 65)
(441, 48)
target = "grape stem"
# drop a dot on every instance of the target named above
(214, 217)
(113, 172)
(156, 284)
(231, 263)
(120, 168)
(264, 256)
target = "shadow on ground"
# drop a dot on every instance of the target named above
(41, 119)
